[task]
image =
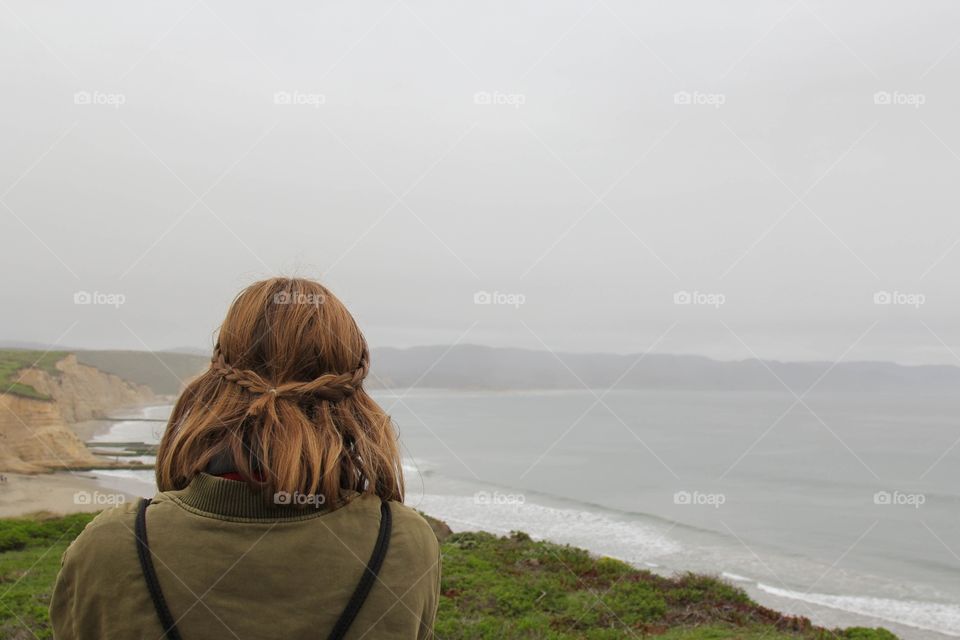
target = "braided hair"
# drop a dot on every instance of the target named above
(329, 386)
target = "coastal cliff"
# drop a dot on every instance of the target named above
(44, 400)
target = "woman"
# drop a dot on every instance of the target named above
(280, 508)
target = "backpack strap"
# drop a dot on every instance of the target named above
(370, 573)
(150, 574)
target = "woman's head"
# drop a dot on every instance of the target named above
(284, 398)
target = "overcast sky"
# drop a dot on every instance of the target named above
(591, 160)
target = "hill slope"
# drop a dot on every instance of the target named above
(492, 589)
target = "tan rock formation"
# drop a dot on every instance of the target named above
(35, 435)
(85, 393)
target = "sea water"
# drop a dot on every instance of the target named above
(844, 508)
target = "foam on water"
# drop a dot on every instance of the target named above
(603, 534)
(735, 577)
(931, 616)
(412, 468)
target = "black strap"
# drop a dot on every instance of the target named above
(360, 594)
(150, 574)
(369, 575)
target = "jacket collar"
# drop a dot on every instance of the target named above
(229, 498)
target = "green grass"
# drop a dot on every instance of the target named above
(492, 588)
(30, 552)
(515, 587)
(13, 360)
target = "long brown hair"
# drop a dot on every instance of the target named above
(284, 397)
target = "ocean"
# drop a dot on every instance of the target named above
(844, 508)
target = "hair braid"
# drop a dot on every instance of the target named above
(329, 386)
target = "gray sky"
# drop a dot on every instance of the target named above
(425, 151)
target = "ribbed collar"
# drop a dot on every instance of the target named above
(232, 499)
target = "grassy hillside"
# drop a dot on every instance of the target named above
(492, 588)
(13, 360)
(161, 371)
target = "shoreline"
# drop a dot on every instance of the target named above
(819, 614)
(54, 493)
(45, 495)
(58, 493)
(50, 494)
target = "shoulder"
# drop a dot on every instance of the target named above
(409, 520)
(409, 532)
(413, 535)
(98, 541)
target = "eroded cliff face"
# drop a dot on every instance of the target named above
(35, 435)
(83, 393)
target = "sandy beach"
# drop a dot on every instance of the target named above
(55, 493)
(61, 492)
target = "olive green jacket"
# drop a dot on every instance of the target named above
(234, 565)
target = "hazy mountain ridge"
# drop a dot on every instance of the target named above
(480, 367)
(165, 372)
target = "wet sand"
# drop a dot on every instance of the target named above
(55, 493)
